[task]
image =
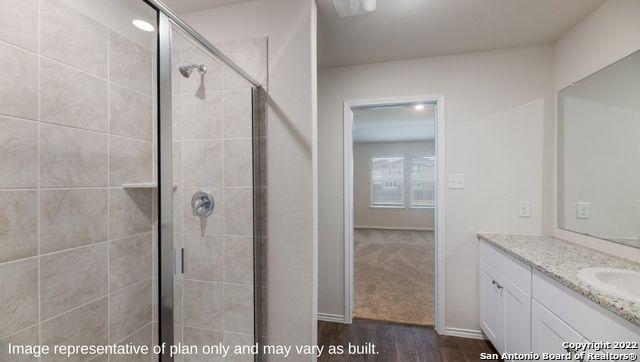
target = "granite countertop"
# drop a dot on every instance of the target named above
(561, 260)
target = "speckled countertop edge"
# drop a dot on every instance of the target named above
(560, 260)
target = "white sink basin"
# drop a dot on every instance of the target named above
(620, 283)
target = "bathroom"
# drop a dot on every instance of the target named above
(177, 173)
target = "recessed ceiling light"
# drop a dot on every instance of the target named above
(346, 8)
(143, 25)
(419, 107)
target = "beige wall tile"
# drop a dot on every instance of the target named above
(140, 338)
(202, 304)
(72, 158)
(251, 55)
(130, 212)
(204, 257)
(86, 325)
(177, 293)
(130, 310)
(176, 167)
(72, 98)
(73, 38)
(232, 340)
(176, 117)
(238, 211)
(238, 167)
(202, 116)
(237, 113)
(131, 113)
(19, 297)
(177, 210)
(18, 225)
(18, 82)
(18, 153)
(19, 23)
(213, 224)
(28, 336)
(129, 64)
(238, 260)
(130, 161)
(129, 261)
(200, 338)
(197, 84)
(70, 278)
(238, 308)
(202, 163)
(70, 218)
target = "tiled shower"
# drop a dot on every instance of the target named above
(78, 175)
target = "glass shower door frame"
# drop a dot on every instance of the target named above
(167, 260)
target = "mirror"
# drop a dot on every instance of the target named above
(599, 154)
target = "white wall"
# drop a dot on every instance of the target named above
(366, 216)
(290, 26)
(609, 34)
(498, 108)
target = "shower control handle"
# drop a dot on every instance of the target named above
(202, 204)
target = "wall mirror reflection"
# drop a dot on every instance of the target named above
(598, 153)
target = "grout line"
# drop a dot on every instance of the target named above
(133, 333)
(217, 282)
(131, 286)
(108, 189)
(73, 309)
(39, 149)
(37, 324)
(218, 330)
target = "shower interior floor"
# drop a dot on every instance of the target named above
(394, 275)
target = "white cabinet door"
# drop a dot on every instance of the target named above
(517, 304)
(492, 308)
(548, 332)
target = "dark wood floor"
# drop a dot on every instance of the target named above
(398, 342)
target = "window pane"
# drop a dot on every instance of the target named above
(423, 181)
(387, 181)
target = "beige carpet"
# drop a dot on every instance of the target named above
(394, 276)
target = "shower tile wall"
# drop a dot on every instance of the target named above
(76, 112)
(212, 151)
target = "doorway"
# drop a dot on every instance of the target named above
(394, 210)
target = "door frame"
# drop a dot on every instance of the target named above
(349, 257)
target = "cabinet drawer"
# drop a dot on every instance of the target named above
(589, 319)
(517, 272)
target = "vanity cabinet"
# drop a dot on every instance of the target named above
(523, 310)
(505, 309)
(548, 332)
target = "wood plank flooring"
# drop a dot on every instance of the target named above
(398, 342)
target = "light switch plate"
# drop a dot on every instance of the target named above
(456, 181)
(524, 209)
(583, 210)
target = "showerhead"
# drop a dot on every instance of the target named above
(186, 70)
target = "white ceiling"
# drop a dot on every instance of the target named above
(393, 124)
(187, 6)
(405, 29)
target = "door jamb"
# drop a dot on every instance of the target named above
(440, 287)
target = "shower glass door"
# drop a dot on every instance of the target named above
(207, 273)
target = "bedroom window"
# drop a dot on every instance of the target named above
(422, 183)
(387, 182)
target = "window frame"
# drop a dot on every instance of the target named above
(402, 184)
(410, 181)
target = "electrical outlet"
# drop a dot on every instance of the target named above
(583, 210)
(524, 209)
(456, 181)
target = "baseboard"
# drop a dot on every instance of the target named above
(465, 333)
(392, 228)
(326, 317)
